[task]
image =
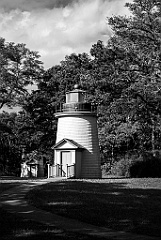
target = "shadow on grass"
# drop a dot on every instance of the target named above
(14, 228)
(6, 186)
(113, 205)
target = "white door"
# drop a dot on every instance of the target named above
(66, 159)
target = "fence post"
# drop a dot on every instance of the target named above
(48, 170)
(74, 170)
(57, 170)
(67, 170)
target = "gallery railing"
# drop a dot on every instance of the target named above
(75, 107)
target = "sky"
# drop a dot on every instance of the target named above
(56, 28)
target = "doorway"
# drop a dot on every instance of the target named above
(66, 159)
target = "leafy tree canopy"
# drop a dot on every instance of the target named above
(19, 67)
(122, 77)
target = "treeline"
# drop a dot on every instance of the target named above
(122, 77)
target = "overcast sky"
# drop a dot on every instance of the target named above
(56, 28)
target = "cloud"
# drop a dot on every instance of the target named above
(56, 28)
(29, 5)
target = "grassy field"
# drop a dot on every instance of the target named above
(132, 205)
(14, 228)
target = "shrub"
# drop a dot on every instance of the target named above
(148, 165)
(121, 168)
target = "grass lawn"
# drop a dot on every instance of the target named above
(14, 228)
(6, 186)
(132, 205)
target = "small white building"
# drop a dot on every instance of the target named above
(34, 164)
(77, 138)
(29, 169)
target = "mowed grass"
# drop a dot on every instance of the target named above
(6, 186)
(12, 227)
(132, 205)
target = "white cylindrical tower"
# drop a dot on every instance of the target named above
(77, 121)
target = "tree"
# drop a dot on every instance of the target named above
(42, 103)
(19, 67)
(123, 78)
(132, 77)
(10, 154)
(139, 37)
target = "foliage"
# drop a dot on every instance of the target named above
(147, 165)
(132, 118)
(19, 67)
(9, 148)
(121, 77)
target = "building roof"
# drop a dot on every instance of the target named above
(71, 142)
(32, 162)
(76, 89)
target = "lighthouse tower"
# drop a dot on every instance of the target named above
(77, 136)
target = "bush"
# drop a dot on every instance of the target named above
(148, 165)
(121, 168)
